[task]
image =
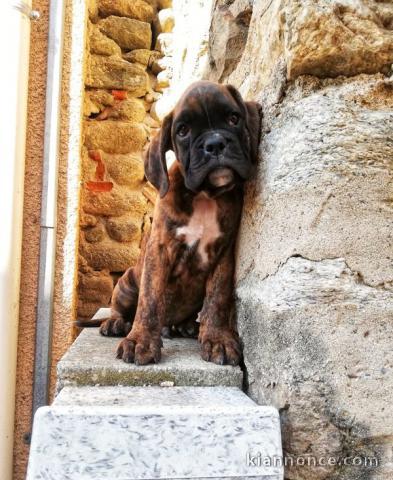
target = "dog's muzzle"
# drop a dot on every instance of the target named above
(217, 162)
(221, 177)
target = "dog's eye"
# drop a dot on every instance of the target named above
(233, 119)
(183, 130)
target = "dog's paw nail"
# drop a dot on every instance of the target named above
(190, 331)
(166, 333)
(218, 361)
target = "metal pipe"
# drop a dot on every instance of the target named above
(14, 52)
(48, 207)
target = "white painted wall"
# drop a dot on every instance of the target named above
(14, 49)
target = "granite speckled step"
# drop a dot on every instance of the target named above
(91, 361)
(127, 433)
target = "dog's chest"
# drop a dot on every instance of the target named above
(203, 226)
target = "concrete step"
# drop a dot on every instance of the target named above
(91, 361)
(127, 433)
(152, 396)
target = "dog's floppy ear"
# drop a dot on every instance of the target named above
(254, 117)
(155, 162)
(253, 112)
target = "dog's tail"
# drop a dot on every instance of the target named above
(89, 323)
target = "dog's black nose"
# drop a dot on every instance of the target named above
(215, 144)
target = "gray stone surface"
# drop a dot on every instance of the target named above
(91, 361)
(315, 271)
(325, 38)
(319, 347)
(153, 396)
(154, 442)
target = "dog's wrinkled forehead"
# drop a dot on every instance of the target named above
(204, 100)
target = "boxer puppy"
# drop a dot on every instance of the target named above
(186, 266)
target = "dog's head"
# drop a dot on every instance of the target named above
(214, 135)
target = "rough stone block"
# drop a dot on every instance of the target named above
(163, 3)
(163, 79)
(228, 35)
(115, 73)
(333, 38)
(94, 234)
(111, 255)
(326, 140)
(326, 38)
(86, 220)
(307, 330)
(166, 20)
(91, 360)
(131, 110)
(92, 9)
(96, 100)
(114, 136)
(114, 203)
(124, 229)
(164, 433)
(101, 97)
(150, 396)
(94, 292)
(144, 57)
(137, 9)
(125, 169)
(161, 64)
(95, 286)
(315, 274)
(128, 33)
(100, 44)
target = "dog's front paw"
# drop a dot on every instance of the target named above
(140, 349)
(115, 327)
(220, 346)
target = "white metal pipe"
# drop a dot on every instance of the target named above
(14, 52)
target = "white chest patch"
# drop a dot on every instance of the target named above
(202, 226)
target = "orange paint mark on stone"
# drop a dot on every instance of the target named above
(95, 155)
(100, 169)
(119, 94)
(99, 186)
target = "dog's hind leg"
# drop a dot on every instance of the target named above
(125, 299)
(123, 306)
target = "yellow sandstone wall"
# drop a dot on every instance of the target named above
(123, 60)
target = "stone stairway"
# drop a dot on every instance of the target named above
(182, 418)
(91, 361)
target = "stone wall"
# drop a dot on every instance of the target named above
(126, 72)
(314, 281)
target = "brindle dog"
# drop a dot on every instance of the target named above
(186, 265)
